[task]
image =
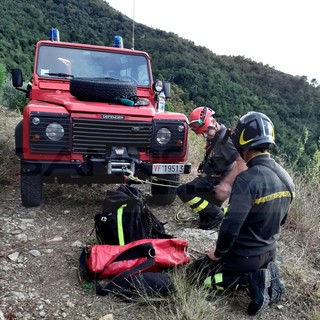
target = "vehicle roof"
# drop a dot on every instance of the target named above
(91, 47)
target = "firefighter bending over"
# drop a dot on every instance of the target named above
(221, 164)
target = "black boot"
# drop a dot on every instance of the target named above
(259, 283)
(210, 219)
(276, 289)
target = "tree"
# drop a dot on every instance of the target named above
(2, 75)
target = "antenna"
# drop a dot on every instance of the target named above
(133, 24)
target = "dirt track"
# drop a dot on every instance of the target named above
(41, 246)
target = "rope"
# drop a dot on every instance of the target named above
(136, 179)
(172, 181)
(144, 182)
(178, 218)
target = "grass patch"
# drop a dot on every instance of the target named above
(304, 217)
(8, 160)
(187, 302)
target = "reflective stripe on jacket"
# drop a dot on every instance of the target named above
(259, 204)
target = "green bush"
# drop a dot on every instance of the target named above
(11, 98)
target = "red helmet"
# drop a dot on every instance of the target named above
(200, 119)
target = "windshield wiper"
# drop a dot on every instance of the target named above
(60, 75)
(110, 78)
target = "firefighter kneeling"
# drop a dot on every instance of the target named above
(244, 254)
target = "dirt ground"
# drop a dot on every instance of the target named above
(39, 254)
(40, 249)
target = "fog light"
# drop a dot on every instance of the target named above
(35, 121)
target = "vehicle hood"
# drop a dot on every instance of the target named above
(72, 105)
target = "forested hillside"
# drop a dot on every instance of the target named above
(230, 85)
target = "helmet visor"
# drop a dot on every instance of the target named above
(196, 124)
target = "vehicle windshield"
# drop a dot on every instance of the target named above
(63, 62)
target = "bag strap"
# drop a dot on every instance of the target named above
(143, 250)
(115, 283)
(120, 225)
(139, 251)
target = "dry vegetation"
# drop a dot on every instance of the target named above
(8, 160)
(299, 250)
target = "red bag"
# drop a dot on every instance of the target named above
(110, 260)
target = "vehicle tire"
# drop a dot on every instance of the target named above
(18, 139)
(31, 190)
(164, 195)
(98, 89)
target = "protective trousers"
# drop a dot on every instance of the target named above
(229, 273)
(199, 196)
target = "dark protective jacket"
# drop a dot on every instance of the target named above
(220, 155)
(258, 206)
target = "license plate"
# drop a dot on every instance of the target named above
(160, 168)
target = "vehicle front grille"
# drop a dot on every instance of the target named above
(38, 140)
(96, 136)
(177, 143)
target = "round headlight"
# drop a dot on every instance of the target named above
(55, 131)
(180, 127)
(163, 136)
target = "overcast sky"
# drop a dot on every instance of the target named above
(281, 33)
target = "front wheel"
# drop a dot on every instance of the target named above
(167, 192)
(31, 190)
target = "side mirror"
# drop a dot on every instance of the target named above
(167, 89)
(17, 78)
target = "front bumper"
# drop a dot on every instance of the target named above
(90, 171)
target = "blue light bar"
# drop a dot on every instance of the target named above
(54, 34)
(118, 42)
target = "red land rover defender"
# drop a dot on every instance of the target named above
(94, 117)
